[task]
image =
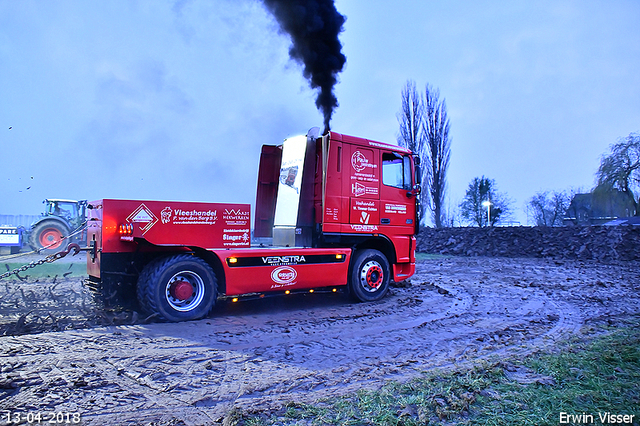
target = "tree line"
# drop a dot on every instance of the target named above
(424, 128)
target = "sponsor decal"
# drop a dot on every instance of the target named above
(332, 214)
(188, 217)
(8, 231)
(235, 240)
(359, 162)
(365, 206)
(273, 261)
(144, 216)
(384, 145)
(228, 213)
(395, 208)
(359, 189)
(283, 276)
(236, 217)
(283, 260)
(244, 237)
(194, 217)
(364, 168)
(364, 228)
(165, 215)
(364, 218)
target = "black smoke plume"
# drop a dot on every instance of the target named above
(314, 26)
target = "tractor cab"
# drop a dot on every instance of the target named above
(73, 212)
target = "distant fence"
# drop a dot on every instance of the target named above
(18, 219)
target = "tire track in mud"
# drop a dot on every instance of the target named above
(258, 355)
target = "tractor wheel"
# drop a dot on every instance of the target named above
(177, 288)
(49, 234)
(370, 276)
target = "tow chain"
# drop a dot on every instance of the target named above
(50, 258)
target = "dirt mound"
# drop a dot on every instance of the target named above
(603, 243)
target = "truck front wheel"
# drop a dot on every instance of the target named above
(177, 288)
(370, 276)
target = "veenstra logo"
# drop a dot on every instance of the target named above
(283, 260)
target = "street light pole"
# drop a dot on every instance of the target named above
(487, 204)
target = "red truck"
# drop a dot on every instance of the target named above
(332, 212)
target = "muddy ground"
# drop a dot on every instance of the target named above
(257, 355)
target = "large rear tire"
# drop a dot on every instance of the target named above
(49, 233)
(177, 288)
(370, 276)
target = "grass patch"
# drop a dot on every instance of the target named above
(430, 256)
(592, 378)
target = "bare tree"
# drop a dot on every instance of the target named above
(411, 134)
(483, 205)
(436, 130)
(548, 209)
(424, 129)
(621, 168)
(410, 118)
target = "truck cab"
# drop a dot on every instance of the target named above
(336, 190)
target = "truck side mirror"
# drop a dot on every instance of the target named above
(418, 174)
(414, 191)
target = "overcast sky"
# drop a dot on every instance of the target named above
(173, 99)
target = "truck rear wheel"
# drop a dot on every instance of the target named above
(49, 233)
(370, 276)
(177, 288)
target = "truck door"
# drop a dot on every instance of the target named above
(397, 208)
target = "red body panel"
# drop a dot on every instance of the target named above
(173, 223)
(166, 223)
(261, 270)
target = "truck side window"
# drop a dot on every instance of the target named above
(396, 171)
(408, 179)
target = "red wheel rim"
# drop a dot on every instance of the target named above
(51, 236)
(371, 276)
(374, 277)
(181, 290)
(185, 291)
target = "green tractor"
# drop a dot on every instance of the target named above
(60, 219)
